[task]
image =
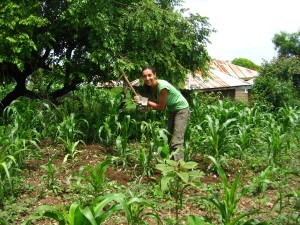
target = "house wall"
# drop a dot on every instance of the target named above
(242, 94)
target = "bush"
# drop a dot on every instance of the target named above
(278, 83)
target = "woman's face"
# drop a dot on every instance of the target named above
(149, 77)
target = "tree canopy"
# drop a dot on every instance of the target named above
(67, 42)
(278, 82)
(287, 44)
(247, 63)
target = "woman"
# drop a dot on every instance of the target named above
(167, 96)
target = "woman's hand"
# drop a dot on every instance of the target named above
(140, 100)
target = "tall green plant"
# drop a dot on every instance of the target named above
(227, 205)
(123, 131)
(146, 159)
(160, 142)
(223, 111)
(277, 142)
(69, 135)
(218, 136)
(109, 130)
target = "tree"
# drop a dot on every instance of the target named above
(245, 63)
(287, 44)
(69, 41)
(278, 82)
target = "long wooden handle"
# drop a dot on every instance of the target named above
(128, 82)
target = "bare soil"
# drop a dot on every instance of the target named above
(126, 177)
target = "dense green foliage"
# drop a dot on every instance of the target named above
(59, 44)
(245, 63)
(48, 48)
(266, 144)
(287, 44)
(278, 82)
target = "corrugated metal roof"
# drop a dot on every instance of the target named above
(216, 80)
(234, 70)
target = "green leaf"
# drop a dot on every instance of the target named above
(89, 215)
(165, 168)
(5, 167)
(197, 220)
(220, 171)
(172, 162)
(189, 165)
(237, 219)
(164, 183)
(75, 216)
(184, 176)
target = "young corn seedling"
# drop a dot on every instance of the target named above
(122, 140)
(77, 215)
(144, 131)
(160, 142)
(68, 131)
(73, 151)
(69, 135)
(7, 165)
(277, 143)
(227, 205)
(95, 176)
(107, 133)
(145, 160)
(218, 137)
(263, 179)
(176, 177)
(52, 170)
(136, 209)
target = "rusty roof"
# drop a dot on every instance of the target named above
(216, 80)
(234, 70)
(222, 75)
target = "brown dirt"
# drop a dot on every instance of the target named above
(92, 155)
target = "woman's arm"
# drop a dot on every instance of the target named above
(161, 105)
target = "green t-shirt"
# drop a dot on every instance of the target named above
(175, 100)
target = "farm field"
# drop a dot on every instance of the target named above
(80, 164)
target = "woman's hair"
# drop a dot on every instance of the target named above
(148, 68)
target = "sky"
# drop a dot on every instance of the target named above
(245, 28)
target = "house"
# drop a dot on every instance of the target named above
(228, 79)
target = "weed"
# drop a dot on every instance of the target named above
(177, 176)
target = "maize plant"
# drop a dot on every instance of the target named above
(95, 176)
(218, 136)
(101, 209)
(69, 135)
(277, 142)
(227, 204)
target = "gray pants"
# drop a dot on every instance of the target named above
(177, 123)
